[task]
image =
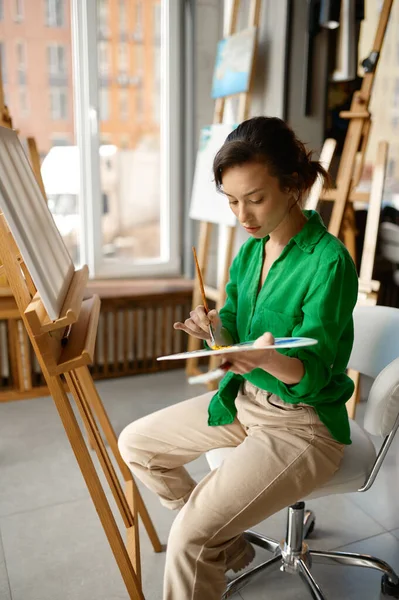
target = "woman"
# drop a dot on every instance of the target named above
(282, 411)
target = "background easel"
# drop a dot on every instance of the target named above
(218, 294)
(352, 159)
(59, 360)
(350, 169)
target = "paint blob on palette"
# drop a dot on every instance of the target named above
(279, 343)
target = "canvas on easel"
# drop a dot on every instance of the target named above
(62, 329)
(217, 294)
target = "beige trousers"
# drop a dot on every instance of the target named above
(281, 453)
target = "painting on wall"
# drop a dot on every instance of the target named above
(233, 67)
(207, 204)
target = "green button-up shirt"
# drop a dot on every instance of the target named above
(311, 291)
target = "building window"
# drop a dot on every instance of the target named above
(157, 84)
(104, 104)
(122, 16)
(140, 102)
(21, 62)
(58, 104)
(3, 61)
(1, 10)
(124, 104)
(103, 17)
(157, 23)
(18, 11)
(138, 25)
(139, 59)
(55, 15)
(56, 59)
(60, 140)
(123, 58)
(396, 93)
(23, 102)
(104, 59)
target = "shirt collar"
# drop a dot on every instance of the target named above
(311, 233)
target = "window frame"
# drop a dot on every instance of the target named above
(86, 87)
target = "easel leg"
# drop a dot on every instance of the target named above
(94, 486)
(355, 398)
(133, 494)
(349, 231)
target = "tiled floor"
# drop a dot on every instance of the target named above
(52, 546)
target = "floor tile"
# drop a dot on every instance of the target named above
(5, 593)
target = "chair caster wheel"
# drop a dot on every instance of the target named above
(388, 588)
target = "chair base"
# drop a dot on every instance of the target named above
(293, 555)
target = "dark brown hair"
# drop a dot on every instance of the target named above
(271, 141)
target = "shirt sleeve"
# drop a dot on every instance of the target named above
(327, 317)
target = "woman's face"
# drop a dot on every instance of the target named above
(255, 198)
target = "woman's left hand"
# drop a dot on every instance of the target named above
(244, 362)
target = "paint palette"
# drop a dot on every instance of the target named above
(284, 342)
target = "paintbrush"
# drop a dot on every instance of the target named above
(205, 303)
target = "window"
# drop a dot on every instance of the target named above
(18, 11)
(123, 58)
(122, 16)
(58, 104)
(23, 102)
(157, 84)
(104, 104)
(396, 93)
(21, 62)
(60, 140)
(1, 10)
(55, 13)
(138, 25)
(103, 17)
(157, 23)
(124, 104)
(56, 60)
(139, 233)
(104, 58)
(140, 102)
(139, 59)
(3, 61)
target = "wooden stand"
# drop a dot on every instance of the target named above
(71, 361)
(351, 164)
(218, 295)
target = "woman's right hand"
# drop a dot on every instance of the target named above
(198, 324)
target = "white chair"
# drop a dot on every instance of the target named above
(375, 354)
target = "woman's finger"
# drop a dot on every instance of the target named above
(200, 319)
(197, 332)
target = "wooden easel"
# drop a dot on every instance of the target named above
(70, 361)
(354, 150)
(218, 295)
(349, 173)
(18, 342)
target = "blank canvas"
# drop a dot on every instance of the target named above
(207, 204)
(32, 225)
